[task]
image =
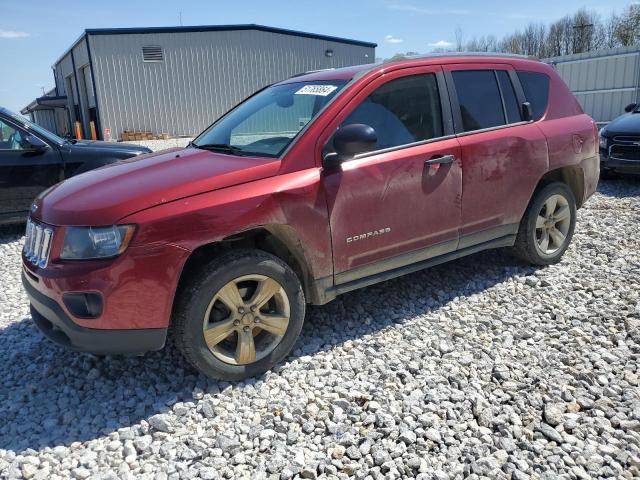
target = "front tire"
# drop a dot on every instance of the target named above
(240, 315)
(547, 226)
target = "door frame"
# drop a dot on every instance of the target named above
(363, 92)
(409, 261)
(453, 94)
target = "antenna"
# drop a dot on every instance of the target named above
(180, 18)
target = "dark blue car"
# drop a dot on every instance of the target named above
(620, 143)
(33, 159)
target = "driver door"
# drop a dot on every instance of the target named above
(395, 206)
(24, 172)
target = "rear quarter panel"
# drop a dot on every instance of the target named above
(571, 134)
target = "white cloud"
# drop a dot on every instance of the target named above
(12, 34)
(392, 39)
(441, 44)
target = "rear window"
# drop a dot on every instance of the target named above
(511, 106)
(479, 98)
(536, 91)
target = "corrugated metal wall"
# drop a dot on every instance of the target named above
(203, 74)
(46, 119)
(604, 82)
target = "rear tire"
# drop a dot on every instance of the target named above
(240, 315)
(546, 229)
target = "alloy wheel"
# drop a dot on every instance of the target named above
(246, 319)
(553, 224)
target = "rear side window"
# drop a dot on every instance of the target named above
(511, 106)
(402, 111)
(536, 91)
(479, 98)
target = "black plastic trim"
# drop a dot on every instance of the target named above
(54, 323)
(506, 241)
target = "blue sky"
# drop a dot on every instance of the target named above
(34, 33)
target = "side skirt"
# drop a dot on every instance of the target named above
(413, 262)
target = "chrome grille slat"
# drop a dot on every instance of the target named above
(37, 243)
(46, 246)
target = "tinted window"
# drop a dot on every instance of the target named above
(11, 138)
(479, 97)
(536, 91)
(509, 96)
(402, 111)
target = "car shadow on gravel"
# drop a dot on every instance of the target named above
(11, 233)
(620, 186)
(50, 396)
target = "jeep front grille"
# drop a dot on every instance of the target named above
(37, 243)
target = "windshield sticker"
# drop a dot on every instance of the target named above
(321, 90)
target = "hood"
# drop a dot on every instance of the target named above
(105, 195)
(108, 146)
(626, 124)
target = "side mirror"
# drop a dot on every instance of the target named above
(31, 142)
(527, 112)
(631, 107)
(349, 141)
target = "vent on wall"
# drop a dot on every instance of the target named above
(152, 53)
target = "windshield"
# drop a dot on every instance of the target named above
(52, 137)
(266, 123)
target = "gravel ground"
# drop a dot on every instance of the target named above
(157, 145)
(478, 368)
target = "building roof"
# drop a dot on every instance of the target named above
(210, 28)
(610, 52)
(224, 28)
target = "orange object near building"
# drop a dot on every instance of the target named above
(92, 127)
(78, 130)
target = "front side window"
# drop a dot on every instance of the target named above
(43, 132)
(479, 98)
(265, 124)
(536, 91)
(402, 111)
(11, 138)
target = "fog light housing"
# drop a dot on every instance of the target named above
(83, 305)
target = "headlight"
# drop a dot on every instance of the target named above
(602, 140)
(83, 243)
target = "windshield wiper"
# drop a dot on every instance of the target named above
(218, 147)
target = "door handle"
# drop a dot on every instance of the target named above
(440, 160)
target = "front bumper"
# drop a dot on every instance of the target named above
(56, 325)
(609, 161)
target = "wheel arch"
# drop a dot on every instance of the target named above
(571, 175)
(278, 240)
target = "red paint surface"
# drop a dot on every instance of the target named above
(183, 199)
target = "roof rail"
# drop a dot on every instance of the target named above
(460, 54)
(310, 71)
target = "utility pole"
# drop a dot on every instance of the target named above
(581, 28)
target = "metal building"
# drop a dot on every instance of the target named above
(48, 111)
(178, 80)
(604, 81)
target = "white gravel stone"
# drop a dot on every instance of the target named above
(481, 367)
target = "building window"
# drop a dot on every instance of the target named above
(152, 53)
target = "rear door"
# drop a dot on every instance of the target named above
(24, 173)
(389, 208)
(503, 157)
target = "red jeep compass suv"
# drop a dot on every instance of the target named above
(312, 187)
